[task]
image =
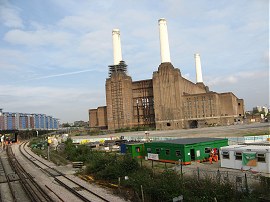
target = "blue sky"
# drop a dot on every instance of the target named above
(54, 54)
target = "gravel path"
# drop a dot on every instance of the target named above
(46, 181)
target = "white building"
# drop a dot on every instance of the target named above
(246, 157)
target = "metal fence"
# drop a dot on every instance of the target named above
(241, 180)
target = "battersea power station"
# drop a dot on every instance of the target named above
(167, 101)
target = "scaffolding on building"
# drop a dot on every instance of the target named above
(121, 67)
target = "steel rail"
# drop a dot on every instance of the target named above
(8, 181)
(33, 190)
(62, 175)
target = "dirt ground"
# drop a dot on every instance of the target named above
(221, 131)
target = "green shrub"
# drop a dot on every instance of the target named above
(110, 167)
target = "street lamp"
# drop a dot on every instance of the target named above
(48, 144)
(138, 113)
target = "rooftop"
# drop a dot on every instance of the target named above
(191, 140)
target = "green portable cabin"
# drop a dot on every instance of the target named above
(185, 149)
(136, 150)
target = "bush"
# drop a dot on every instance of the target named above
(110, 167)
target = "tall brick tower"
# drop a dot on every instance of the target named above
(118, 90)
(169, 87)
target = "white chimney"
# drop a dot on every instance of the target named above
(164, 41)
(117, 52)
(198, 68)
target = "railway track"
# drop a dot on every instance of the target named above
(16, 183)
(31, 187)
(83, 193)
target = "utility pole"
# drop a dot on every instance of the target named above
(137, 102)
(48, 144)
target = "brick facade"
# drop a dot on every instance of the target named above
(167, 101)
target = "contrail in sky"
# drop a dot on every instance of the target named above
(64, 74)
(59, 75)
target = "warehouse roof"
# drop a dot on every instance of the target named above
(191, 140)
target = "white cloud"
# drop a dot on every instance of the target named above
(49, 100)
(235, 78)
(75, 37)
(9, 15)
(83, 23)
(9, 59)
(38, 37)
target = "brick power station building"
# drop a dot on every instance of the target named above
(167, 101)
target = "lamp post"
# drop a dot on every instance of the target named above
(48, 140)
(138, 113)
(48, 144)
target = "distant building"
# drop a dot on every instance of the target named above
(167, 101)
(257, 109)
(98, 118)
(261, 109)
(265, 110)
(80, 124)
(24, 121)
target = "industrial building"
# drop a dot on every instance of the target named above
(167, 101)
(24, 121)
(186, 150)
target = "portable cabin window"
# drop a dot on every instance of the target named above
(149, 150)
(207, 150)
(177, 153)
(167, 152)
(138, 149)
(157, 150)
(261, 157)
(225, 155)
(238, 155)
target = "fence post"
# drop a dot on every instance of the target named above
(246, 183)
(218, 176)
(181, 164)
(142, 193)
(198, 172)
(119, 179)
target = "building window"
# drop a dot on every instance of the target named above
(238, 156)
(177, 153)
(225, 155)
(167, 152)
(168, 124)
(157, 151)
(149, 150)
(207, 150)
(261, 157)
